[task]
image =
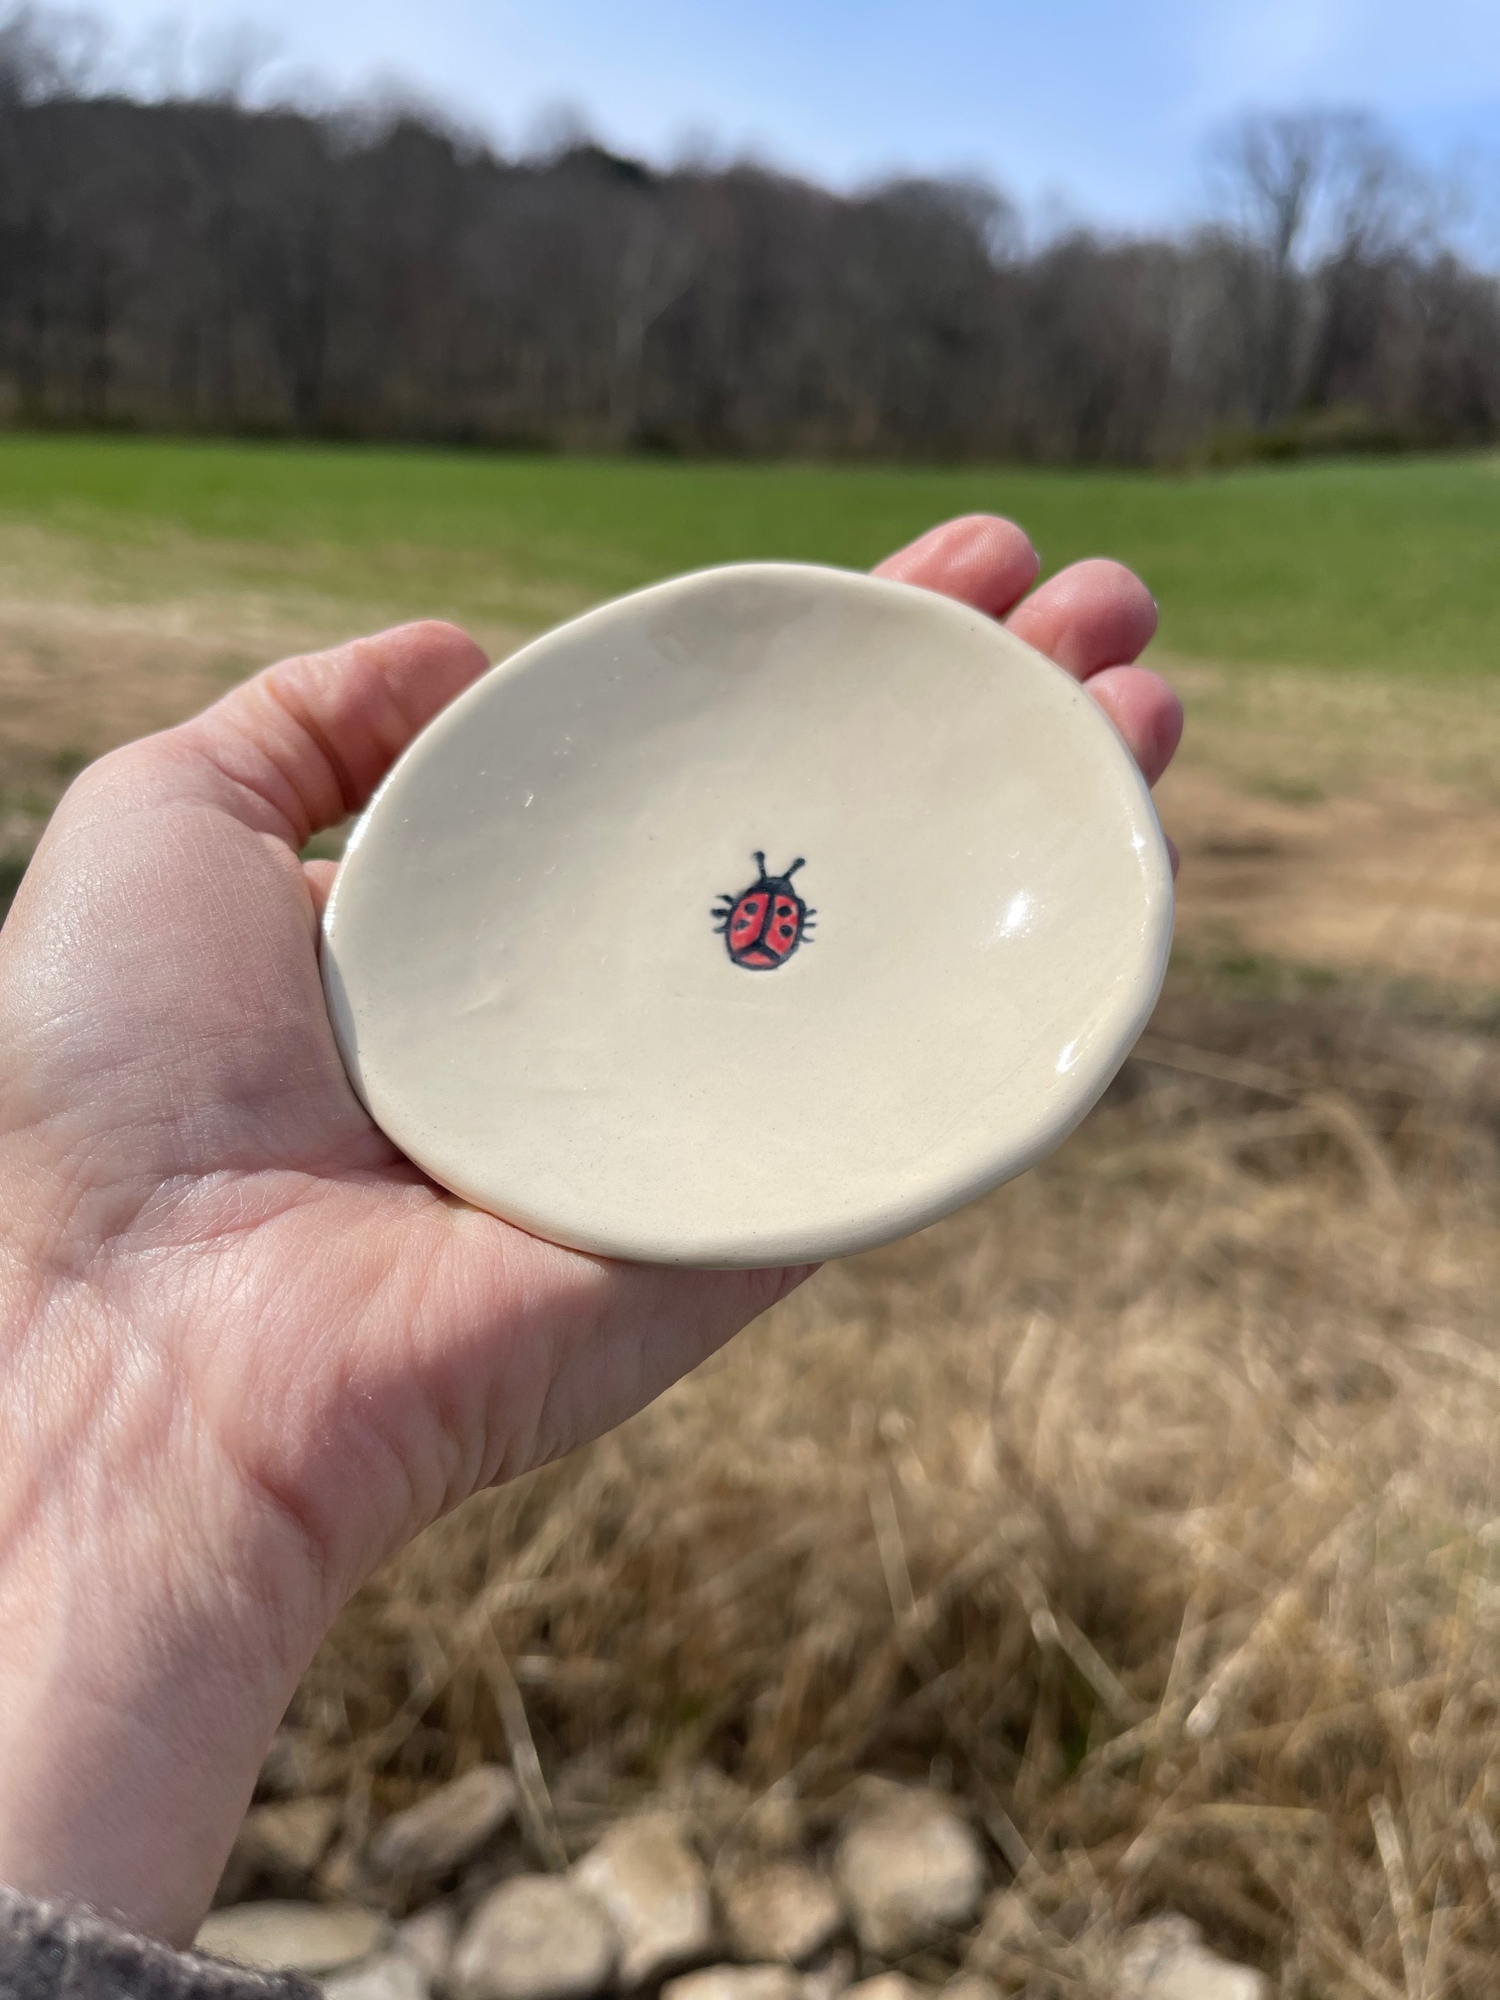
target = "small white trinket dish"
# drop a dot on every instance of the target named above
(759, 917)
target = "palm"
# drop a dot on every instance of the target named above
(369, 1306)
(376, 1340)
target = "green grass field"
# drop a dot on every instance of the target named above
(1388, 564)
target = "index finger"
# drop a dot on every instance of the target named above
(980, 559)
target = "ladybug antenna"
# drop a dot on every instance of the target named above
(759, 858)
(800, 862)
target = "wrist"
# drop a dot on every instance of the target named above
(126, 1763)
(144, 1665)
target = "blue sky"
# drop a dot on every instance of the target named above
(1075, 106)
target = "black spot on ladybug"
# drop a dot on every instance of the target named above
(763, 925)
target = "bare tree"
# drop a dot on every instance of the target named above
(201, 257)
(1319, 193)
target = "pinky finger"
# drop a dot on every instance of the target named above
(1146, 712)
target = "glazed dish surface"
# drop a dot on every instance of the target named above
(761, 916)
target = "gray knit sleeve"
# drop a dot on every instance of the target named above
(49, 1952)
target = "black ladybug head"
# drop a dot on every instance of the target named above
(774, 882)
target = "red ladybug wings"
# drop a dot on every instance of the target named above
(763, 925)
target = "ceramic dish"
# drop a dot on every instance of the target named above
(759, 917)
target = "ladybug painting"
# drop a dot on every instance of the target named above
(763, 925)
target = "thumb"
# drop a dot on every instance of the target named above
(304, 744)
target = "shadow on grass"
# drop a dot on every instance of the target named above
(1239, 977)
(12, 868)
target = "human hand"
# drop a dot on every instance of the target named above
(246, 1348)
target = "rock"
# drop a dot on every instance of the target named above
(910, 1871)
(536, 1937)
(888, 1986)
(832, 1979)
(292, 1835)
(444, 1830)
(780, 1910)
(713, 1805)
(427, 1939)
(971, 1986)
(653, 1886)
(1166, 1959)
(735, 1982)
(773, 1823)
(292, 1937)
(392, 1976)
(277, 1849)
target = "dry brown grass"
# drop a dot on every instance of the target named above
(1340, 820)
(1152, 1503)
(101, 642)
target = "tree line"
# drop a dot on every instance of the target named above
(196, 262)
